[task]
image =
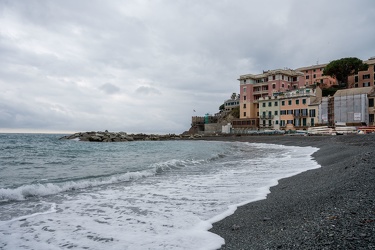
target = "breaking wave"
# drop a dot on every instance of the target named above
(43, 189)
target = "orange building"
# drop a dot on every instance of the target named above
(314, 76)
(363, 78)
(296, 110)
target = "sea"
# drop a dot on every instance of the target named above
(69, 194)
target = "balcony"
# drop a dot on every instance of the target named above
(300, 115)
(266, 116)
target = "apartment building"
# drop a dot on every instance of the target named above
(363, 78)
(313, 75)
(269, 83)
(231, 103)
(269, 111)
(371, 108)
(299, 108)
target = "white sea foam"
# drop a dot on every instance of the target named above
(164, 211)
(32, 190)
(52, 209)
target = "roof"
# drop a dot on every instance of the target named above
(267, 73)
(317, 66)
(370, 61)
(353, 91)
(315, 101)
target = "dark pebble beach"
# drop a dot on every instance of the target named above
(332, 207)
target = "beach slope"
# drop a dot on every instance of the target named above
(332, 207)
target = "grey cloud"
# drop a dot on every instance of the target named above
(56, 55)
(109, 88)
(146, 90)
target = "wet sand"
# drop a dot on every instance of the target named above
(332, 207)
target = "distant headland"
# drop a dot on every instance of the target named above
(124, 137)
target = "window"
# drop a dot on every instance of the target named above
(269, 123)
(307, 77)
(366, 76)
(289, 102)
(312, 122)
(276, 104)
(257, 105)
(273, 86)
(273, 77)
(269, 104)
(282, 103)
(304, 112)
(356, 79)
(294, 79)
(282, 85)
(356, 85)
(276, 112)
(304, 122)
(282, 112)
(366, 84)
(277, 122)
(296, 112)
(244, 105)
(371, 102)
(263, 104)
(244, 113)
(314, 76)
(296, 122)
(314, 70)
(297, 101)
(312, 112)
(371, 118)
(289, 121)
(303, 101)
(244, 81)
(244, 98)
(289, 112)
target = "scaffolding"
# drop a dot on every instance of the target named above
(351, 109)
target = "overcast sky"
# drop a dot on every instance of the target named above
(144, 66)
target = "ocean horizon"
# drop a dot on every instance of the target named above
(57, 194)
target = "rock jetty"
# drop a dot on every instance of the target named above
(123, 137)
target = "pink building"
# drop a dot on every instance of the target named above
(269, 83)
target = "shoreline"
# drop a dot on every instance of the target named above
(332, 207)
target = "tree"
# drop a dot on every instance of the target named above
(222, 107)
(233, 96)
(341, 69)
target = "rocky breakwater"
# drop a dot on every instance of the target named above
(122, 137)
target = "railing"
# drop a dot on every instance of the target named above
(266, 116)
(301, 115)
